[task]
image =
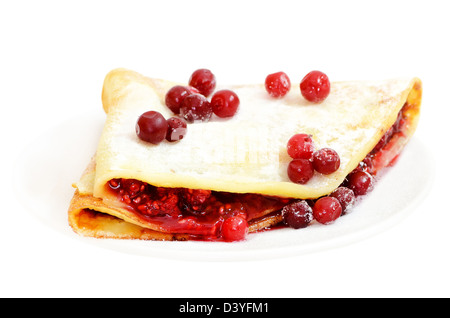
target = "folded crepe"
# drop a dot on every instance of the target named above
(242, 160)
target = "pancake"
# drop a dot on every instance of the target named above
(241, 161)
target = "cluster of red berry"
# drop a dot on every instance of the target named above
(327, 209)
(306, 160)
(190, 104)
(324, 210)
(315, 86)
(152, 127)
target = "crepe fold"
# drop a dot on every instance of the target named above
(245, 154)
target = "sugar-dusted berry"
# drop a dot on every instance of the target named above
(176, 129)
(277, 84)
(297, 214)
(300, 146)
(326, 160)
(300, 171)
(346, 198)
(326, 210)
(204, 81)
(361, 182)
(196, 107)
(315, 86)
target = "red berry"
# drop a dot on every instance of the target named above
(175, 96)
(204, 81)
(151, 127)
(176, 129)
(315, 86)
(300, 171)
(277, 84)
(196, 107)
(361, 182)
(326, 210)
(224, 103)
(297, 215)
(234, 228)
(326, 161)
(346, 198)
(300, 146)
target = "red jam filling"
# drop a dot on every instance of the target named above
(202, 213)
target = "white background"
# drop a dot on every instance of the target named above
(55, 54)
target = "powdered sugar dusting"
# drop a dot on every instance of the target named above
(251, 146)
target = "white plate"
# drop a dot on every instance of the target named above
(48, 166)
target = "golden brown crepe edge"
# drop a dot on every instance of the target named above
(89, 217)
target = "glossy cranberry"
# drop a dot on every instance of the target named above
(327, 210)
(326, 161)
(196, 107)
(234, 228)
(360, 182)
(203, 80)
(277, 84)
(297, 215)
(300, 146)
(315, 86)
(300, 171)
(151, 127)
(175, 96)
(225, 103)
(346, 198)
(176, 129)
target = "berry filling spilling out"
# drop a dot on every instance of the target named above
(203, 214)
